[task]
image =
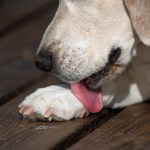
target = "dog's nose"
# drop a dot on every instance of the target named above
(43, 61)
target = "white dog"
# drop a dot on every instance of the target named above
(90, 44)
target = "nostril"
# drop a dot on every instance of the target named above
(43, 61)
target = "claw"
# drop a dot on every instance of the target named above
(50, 119)
(83, 113)
(29, 111)
(20, 105)
(22, 109)
(48, 113)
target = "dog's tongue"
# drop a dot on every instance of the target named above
(92, 100)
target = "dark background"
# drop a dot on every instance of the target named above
(22, 24)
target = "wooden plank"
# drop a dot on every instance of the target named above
(13, 11)
(17, 51)
(128, 130)
(16, 134)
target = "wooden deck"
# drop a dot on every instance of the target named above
(22, 24)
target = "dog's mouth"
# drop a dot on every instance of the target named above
(85, 90)
(89, 93)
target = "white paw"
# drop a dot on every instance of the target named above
(52, 103)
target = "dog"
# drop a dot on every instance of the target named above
(100, 48)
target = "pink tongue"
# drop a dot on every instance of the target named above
(92, 100)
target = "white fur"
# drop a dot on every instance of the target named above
(85, 38)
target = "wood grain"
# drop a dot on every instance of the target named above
(17, 51)
(129, 130)
(21, 30)
(15, 11)
(16, 134)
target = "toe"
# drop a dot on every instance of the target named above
(22, 109)
(83, 113)
(48, 113)
(29, 111)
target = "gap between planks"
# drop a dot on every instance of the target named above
(20, 50)
(16, 134)
(28, 17)
(128, 130)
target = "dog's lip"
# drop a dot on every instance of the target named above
(93, 80)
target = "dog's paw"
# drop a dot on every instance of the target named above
(52, 103)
